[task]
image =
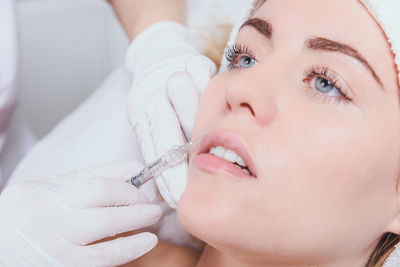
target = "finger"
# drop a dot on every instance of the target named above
(145, 139)
(100, 223)
(156, 136)
(134, 109)
(172, 183)
(201, 69)
(165, 129)
(185, 99)
(121, 250)
(166, 132)
(115, 170)
(102, 192)
(150, 153)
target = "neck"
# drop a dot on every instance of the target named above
(215, 258)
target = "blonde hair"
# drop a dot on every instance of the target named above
(216, 40)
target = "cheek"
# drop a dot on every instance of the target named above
(342, 172)
(211, 107)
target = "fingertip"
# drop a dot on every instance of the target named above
(146, 214)
(151, 240)
(147, 242)
(155, 210)
(121, 250)
(142, 243)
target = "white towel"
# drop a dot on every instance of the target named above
(386, 13)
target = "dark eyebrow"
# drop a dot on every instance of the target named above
(262, 26)
(323, 44)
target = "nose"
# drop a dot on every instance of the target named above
(248, 95)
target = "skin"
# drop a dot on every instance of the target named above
(134, 14)
(327, 170)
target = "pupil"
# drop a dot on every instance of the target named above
(246, 62)
(324, 83)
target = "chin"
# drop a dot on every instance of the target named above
(211, 212)
(195, 212)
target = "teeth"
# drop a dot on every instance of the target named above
(229, 155)
(212, 151)
(246, 171)
(219, 151)
(240, 162)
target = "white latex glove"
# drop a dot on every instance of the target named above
(169, 77)
(50, 222)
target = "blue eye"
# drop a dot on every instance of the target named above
(246, 62)
(326, 87)
(326, 84)
(240, 57)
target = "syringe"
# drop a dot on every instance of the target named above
(173, 157)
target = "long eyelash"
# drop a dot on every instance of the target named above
(324, 72)
(234, 51)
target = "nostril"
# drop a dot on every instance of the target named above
(228, 107)
(247, 106)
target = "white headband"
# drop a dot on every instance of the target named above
(385, 12)
(249, 8)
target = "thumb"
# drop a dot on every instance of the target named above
(185, 99)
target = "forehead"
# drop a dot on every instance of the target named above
(333, 17)
(346, 21)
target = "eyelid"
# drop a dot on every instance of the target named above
(236, 50)
(324, 72)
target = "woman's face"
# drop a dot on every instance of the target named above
(312, 98)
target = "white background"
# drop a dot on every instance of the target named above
(68, 47)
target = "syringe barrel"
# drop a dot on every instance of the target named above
(173, 157)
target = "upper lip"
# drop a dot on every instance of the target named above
(228, 140)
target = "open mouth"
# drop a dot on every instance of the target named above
(230, 155)
(226, 152)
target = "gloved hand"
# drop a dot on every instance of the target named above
(50, 222)
(169, 77)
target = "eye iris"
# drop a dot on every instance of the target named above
(323, 85)
(246, 62)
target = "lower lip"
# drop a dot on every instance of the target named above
(213, 164)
